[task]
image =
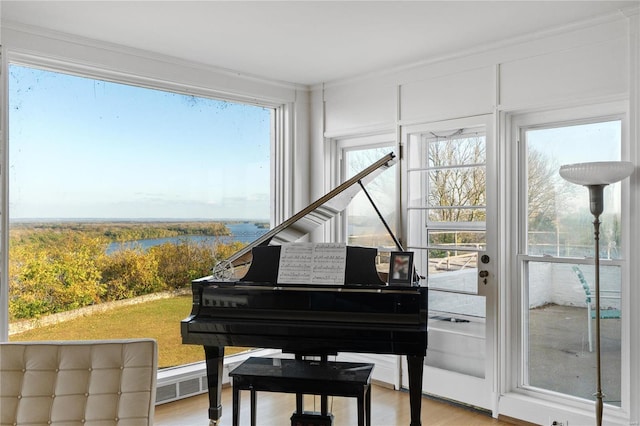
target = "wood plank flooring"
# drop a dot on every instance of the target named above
(388, 408)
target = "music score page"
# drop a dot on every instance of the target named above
(312, 263)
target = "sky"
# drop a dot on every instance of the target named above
(81, 148)
(580, 143)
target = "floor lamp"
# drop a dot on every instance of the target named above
(596, 176)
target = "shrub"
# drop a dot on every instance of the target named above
(130, 272)
(47, 278)
(58, 268)
(180, 263)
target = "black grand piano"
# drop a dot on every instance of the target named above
(243, 304)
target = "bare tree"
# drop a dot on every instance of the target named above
(542, 176)
(457, 178)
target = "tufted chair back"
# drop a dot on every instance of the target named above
(78, 383)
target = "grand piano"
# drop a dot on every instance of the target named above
(243, 304)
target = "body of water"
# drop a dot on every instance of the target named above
(244, 232)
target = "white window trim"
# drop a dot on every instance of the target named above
(4, 205)
(525, 403)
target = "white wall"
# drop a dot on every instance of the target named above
(587, 63)
(553, 283)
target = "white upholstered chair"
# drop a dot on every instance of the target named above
(83, 383)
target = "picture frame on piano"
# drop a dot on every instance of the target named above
(401, 267)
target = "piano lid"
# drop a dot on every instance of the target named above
(309, 218)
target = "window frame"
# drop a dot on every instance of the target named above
(517, 124)
(282, 139)
(4, 204)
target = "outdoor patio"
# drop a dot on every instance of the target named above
(559, 355)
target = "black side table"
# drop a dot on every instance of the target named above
(303, 377)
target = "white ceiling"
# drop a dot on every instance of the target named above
(305, 42)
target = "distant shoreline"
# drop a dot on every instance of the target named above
(134, 220)
(148, 233)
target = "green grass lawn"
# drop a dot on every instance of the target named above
(158, 319)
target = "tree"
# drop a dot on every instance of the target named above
(458, 179)
(542, 178)
(456, 182)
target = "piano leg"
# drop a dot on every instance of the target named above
(214, 356)
(415, 364)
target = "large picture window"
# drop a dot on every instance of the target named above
(117, 192)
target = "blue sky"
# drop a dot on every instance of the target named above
(579, 143)
(83, 148)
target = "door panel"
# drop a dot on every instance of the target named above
(447, 167)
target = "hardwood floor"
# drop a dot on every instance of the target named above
(388, 408)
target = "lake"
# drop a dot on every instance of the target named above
(244, 232)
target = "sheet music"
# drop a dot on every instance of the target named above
(312, 263)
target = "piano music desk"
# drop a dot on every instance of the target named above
(303, 377)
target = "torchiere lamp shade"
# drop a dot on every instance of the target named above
(596, 173)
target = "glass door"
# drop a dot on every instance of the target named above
(448, 191)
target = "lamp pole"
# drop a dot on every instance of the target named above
(597, 206)
(596, 176)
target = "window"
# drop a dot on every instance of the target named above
(364, 227)
(102, 175)
(361, 224)
(556, 259)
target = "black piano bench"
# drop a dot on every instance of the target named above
(304, 377)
